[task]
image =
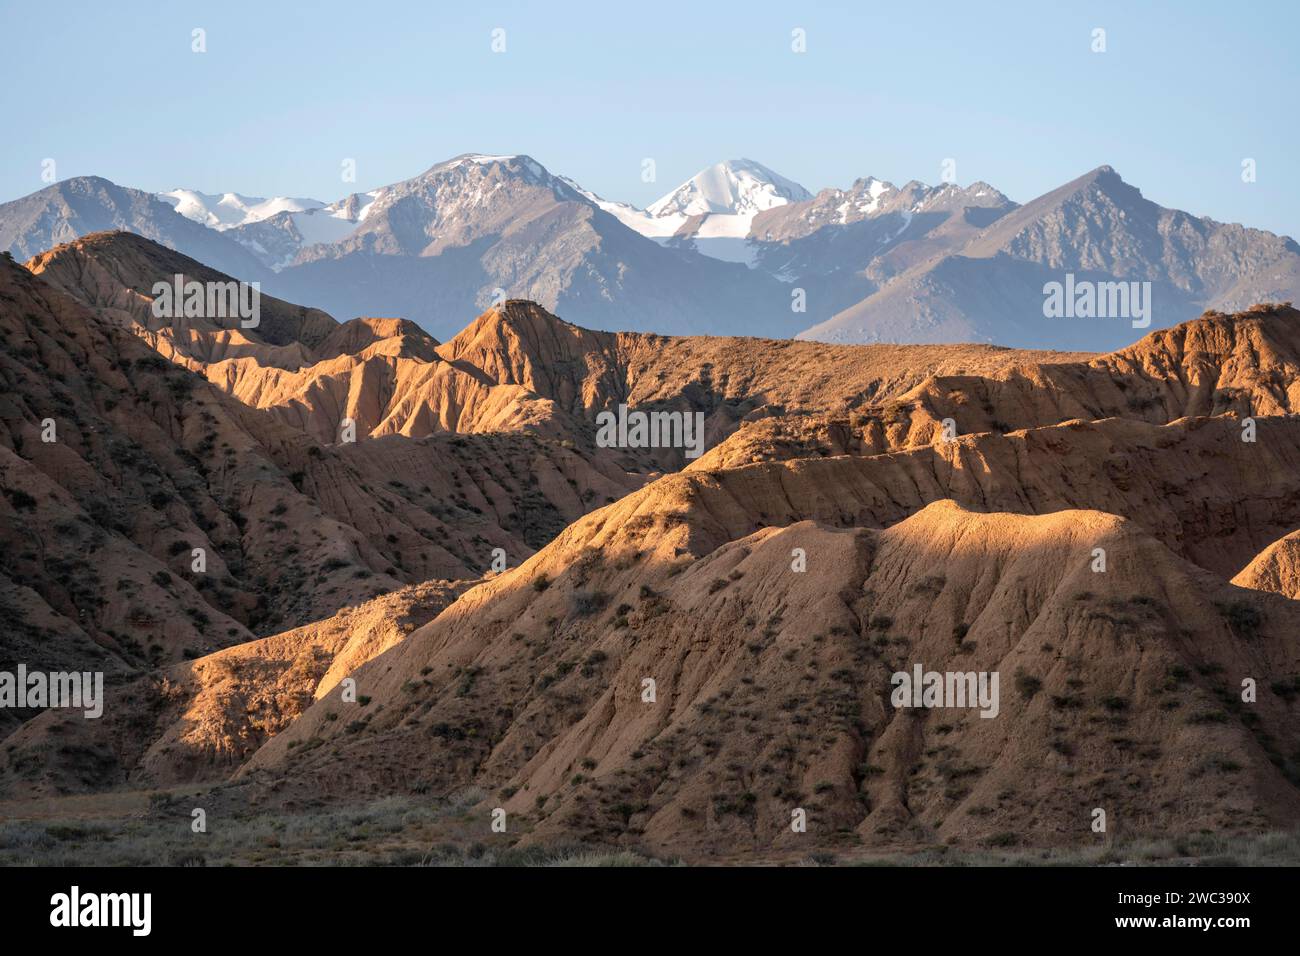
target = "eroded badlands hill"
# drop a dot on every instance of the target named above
(514, 368)
(1276, 568)
(518, 368)
(1122, 687)
(1247, 364)
(200, 720)
(772, 688)
(116, 465)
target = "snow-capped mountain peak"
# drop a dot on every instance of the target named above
(515, 166)
(713, 210)
(228, 210)
(274, 230)
(737, 187)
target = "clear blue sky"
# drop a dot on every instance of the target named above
(1010, 90)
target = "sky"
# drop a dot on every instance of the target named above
(1012, 92)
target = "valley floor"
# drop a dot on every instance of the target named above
(136, 828)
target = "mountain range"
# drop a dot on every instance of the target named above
(737, 249)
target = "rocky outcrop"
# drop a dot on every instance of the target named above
(199, 720)
(1276, 568)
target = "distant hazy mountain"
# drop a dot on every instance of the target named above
(477, 228)
(76, 207)
(843, 245)
(1096, 229)
(737, 248)
(278, 240)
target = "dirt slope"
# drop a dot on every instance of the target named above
(519, 368)
(116, 272)
(1248, 364)
(1117, 690)
(149, 462)
(1276, 568)
(514, 368)
(200, 720)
